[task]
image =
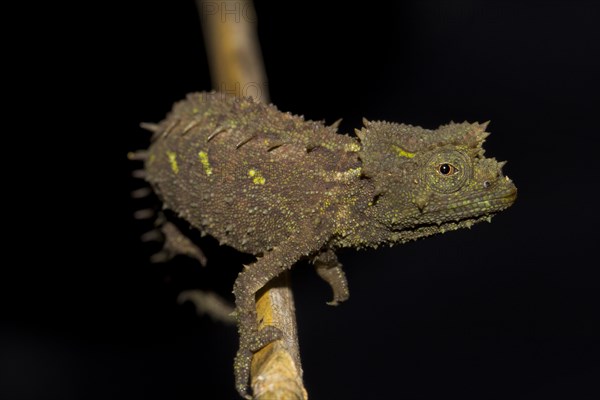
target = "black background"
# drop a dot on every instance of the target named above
(504, 310)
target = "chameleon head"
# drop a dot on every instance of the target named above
(452, 184)
(431, 181)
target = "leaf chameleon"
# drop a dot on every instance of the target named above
(283, 189)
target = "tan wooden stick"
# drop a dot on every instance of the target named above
(234, 55)
(236, 67)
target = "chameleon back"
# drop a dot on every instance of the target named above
(248, 174)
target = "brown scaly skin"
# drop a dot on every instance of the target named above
(281, 188)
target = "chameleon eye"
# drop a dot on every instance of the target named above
(446, 169)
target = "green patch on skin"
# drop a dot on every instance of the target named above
(401, 152)
(173, 161)
(352, 147)
(203, 156)
(151, 159)
(256, 176)
(195, 110)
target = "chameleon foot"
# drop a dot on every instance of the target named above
(330, 270)
(251, 342)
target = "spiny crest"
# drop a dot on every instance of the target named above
(247, 114)
(386, 145)
(415, 138)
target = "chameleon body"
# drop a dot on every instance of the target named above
(282, 188)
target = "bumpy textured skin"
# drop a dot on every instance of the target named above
(281, 188)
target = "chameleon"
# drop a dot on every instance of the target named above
(282, 188)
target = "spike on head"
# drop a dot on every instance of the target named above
(336, 125)
(360, 134)
(470, 135)
(481, 132)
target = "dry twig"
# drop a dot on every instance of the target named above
(236, 67)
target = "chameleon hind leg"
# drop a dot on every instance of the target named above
(330, 270)
(177, 243)
(249, 281)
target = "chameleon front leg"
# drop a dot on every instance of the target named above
(249, 281)
(330, 270)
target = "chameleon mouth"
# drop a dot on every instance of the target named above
(511, 196)
(475, 206)
(461, 215)
(488, 205)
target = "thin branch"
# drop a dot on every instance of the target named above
(236, 67)
(276, 370)
(234, 55)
